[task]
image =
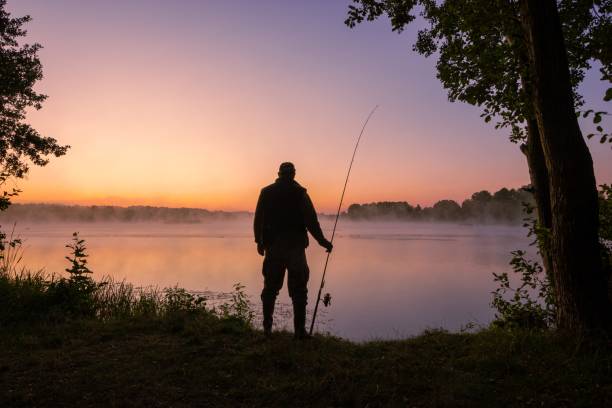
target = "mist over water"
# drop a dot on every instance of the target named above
(387, 279)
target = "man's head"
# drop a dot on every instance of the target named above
(286, 170)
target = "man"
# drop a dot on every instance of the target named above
(284, 213)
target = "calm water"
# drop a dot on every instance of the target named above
(386, 279)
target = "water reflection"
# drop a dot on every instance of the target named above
(386, 279)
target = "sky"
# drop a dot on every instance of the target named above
(195, 103)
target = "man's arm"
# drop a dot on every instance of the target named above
(258, 223)
(312, 223)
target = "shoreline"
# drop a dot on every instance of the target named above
(211, 362)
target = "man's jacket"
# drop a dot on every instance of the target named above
(284, 213)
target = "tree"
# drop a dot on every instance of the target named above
(20, 144)
(20, 70)
(446, 210)
(521, 61)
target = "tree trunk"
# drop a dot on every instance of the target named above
(538, 175)
(579, 281)
(536, 162)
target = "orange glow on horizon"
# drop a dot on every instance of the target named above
(182, 106)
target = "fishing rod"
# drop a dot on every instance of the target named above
(314, 315)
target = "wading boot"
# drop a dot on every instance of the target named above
(268, 316)
(299, 322)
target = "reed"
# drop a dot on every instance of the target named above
(38, 296)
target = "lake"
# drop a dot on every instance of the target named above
(387, 279)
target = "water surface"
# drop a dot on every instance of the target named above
(386, 279)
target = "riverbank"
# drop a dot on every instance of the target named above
(204, 360)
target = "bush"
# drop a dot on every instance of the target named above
(238, 308)
(27, 297)
(178, 300)
(531, 303)
(23, 296)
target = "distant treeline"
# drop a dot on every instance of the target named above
(94, 213)
(503, 206)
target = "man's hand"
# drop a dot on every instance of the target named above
(260, 249)
(327, 245)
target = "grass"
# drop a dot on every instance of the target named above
(76, 342)
(204, 360)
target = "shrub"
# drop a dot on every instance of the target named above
(178, 300)
(238, 307)
(531, 304)
(27, 296)
(35, 296)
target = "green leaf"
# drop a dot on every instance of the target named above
(590, 135)
(599, 129)
(597, 119)
(603, 139)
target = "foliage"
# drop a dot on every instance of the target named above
(5, 198)
(74, 296)
(605, 213)
(524, 309)
(78, 271)
(605, 227)
(599, 130)
(121, 300)
(20, 144)
(485, 58)
(23, 297)
(531, 304)
(20, 70)
(177, 300)
(27, 296)
(482, 54)
(447, 210)
(504, 206)
(11, 252)
(238, 307)
(107, 213)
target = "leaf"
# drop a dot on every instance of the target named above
(586, 113)
(603, 139)
(597, 119)
(599, 129)
(590, 135)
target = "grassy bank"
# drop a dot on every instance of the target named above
(204, 360)
(67, 340)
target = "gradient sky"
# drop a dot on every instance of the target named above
(196, 102)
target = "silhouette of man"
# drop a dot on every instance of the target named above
(284, 213)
